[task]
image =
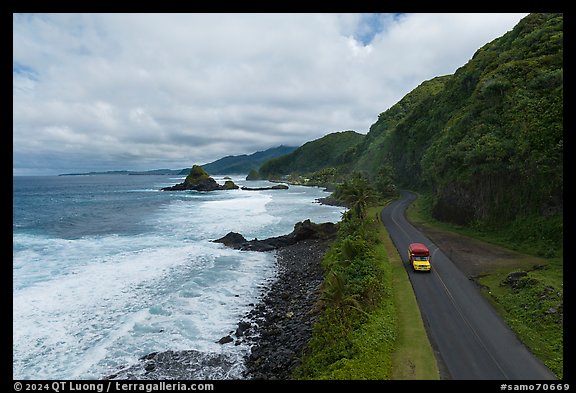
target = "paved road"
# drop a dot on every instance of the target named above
(471, 339)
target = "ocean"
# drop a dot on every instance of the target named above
(108, 268)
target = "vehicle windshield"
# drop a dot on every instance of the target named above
(416, 258)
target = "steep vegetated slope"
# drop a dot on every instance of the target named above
(499, 155)
(376, 149)
(486, 142)
(489, 145)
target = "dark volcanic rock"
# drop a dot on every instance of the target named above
(331, 201)
(225, 340)
(204, 185)
(302, 231)
(181, 365)
(513, 279)
(199, 180)
(276, 187)
(232, 239)
(279, 327)
(281, 323)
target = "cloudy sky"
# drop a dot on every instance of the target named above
(96, 92)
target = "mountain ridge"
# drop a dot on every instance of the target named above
(217, 167)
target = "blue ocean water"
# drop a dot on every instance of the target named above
(108, 268)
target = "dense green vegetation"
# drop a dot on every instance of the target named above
(499, 157)
(197, 174)
(534, 308)
(355, 334)
(489, 143)
(378, 149)
(360, 333)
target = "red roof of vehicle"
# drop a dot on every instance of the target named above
(418, 248)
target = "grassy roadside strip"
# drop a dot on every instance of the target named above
(533, 306)
(369, 327)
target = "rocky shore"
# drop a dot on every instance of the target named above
(278, 327)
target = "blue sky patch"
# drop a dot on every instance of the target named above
(24, 71)
(370, 25)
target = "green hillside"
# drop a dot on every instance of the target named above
(376, 149)
(333, 150)
(490, 144)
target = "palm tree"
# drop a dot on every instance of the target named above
(336, 293)
(358, 194)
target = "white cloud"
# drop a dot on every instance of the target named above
(146, 91)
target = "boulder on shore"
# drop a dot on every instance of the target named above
(303, 230)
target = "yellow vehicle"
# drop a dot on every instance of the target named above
(419, 257)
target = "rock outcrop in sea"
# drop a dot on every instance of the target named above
(275, 187)
(199, 180)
